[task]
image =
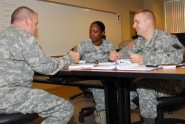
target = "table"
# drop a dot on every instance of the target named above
(116, 86)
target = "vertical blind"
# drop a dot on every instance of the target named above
(174, 16)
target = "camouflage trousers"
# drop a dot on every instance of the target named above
(54, 109)
(147, 90)
(98, 94)
(99, 99)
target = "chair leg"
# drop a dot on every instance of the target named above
(85, 112)
(74, 96)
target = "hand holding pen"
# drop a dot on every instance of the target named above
(114, 55)
(136, 57)
(75, 54)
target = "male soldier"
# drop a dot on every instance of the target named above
(153, 47)
(20, 56)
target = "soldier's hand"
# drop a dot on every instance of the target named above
(136, 58)
(75, 55)
(114, 55)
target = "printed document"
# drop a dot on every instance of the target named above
(135, 67)
(80, 66)
(124, 65)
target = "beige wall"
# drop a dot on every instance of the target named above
(159, 13)
(123, 7)
(157, 7)
(119, 6)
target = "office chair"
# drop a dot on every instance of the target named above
(86, 111)
(86, 92)
(166, 104)
(17, 118)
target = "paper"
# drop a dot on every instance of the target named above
(80, 66)
(81, 62)
(113, 65)
(123, 62)
(167, 66)
(135, 67)
(107, 63)
(103, 67)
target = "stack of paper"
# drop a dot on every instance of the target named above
(104, 66)
(135, 67)
(167, 66)
(112, 65)
(81, 66)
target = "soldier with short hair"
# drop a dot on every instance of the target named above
(20, 56)
(152, 47)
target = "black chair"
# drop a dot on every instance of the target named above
(166, 104)
(86, 111)
(17, 118)
(85, 92)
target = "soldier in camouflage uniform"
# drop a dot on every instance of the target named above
(20, 56)
(95, 50)
(153, 47)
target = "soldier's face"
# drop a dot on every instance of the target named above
(140, 24)
(95, 33)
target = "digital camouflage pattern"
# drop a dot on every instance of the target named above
(20, 56)
(163, 48)
(91, 54)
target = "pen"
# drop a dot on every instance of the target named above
(138, 51)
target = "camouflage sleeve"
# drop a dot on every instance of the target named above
(168, 51)
(39, 62)
(164, 49)
(111, 47)
(80, 49)
(82, 46)
(126, 50)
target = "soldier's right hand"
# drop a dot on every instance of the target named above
(114, 55)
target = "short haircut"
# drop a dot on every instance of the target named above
(148, 13)
(22, 12)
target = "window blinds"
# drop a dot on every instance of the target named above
(175, 16)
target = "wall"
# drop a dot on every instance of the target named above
(157, 7)
(119, 6)
(123, 7)
(65, 26)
